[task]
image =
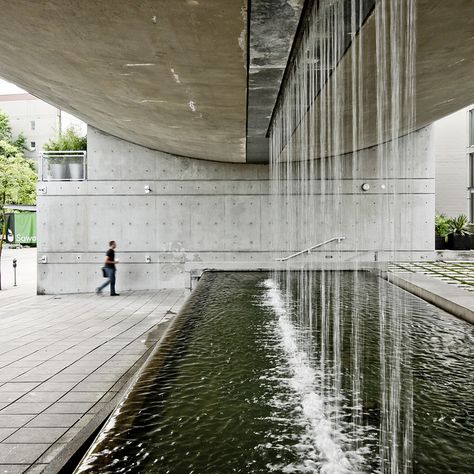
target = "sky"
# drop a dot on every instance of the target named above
(9, 88)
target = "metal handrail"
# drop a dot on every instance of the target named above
(308, 250)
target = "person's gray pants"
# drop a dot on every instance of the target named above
(110, 272)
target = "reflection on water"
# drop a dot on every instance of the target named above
(233, 392)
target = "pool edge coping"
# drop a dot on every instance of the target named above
(434, 292)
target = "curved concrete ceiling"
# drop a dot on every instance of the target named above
(166, 74)
(172, 74)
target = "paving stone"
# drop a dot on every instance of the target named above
(6, 432)
(8, 397)
(70, 407)
(56, 420)
(13, 468)
(28, 408)
(14, 421)
(62, 377)
(35, 435)
(55, 387)
(74, 396)
(102, 377)
(32, 377)
(40, 397)
(93, 386)
(21, 453)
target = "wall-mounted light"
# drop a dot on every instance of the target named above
(147, 189)
(365, 187)
(148, 259)
(44, 259)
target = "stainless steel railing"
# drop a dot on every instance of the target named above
(63, 165)
(308, 250)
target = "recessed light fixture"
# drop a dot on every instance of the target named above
(153, 101)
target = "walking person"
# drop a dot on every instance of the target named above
(109, 270)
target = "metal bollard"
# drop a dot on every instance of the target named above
(14, 272)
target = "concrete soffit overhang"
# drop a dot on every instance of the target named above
(170, 75)
(200, 78)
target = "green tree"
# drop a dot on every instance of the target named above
(17, 183)
(6, 133)
(20, 142)
(5, 128)
(69, 140)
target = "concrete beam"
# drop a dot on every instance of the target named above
(273, 25)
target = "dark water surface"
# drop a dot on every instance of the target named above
(222, 395)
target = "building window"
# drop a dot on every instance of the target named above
(471, 127)
(32, 146)
(32, 125)
(471, 187)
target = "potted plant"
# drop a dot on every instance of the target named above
(459, 235)
(73, 167)
(57, 167)
(76, 167)
(442, 230)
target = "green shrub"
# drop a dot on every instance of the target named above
(442, 227)
(67, 141)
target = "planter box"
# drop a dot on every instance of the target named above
(76, 171)
(58, 171)
(459, 242)
(440, 243)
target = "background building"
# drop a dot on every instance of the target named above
(37, 120)
(453, 139)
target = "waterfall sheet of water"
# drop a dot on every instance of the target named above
(322, 109)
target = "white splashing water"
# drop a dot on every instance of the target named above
(333, 454)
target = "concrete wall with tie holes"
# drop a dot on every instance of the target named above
(198, 214)
(196, 211)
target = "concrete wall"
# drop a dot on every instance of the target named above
(450, 138)
(199, 214)
(196, 211)
(392, 220)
